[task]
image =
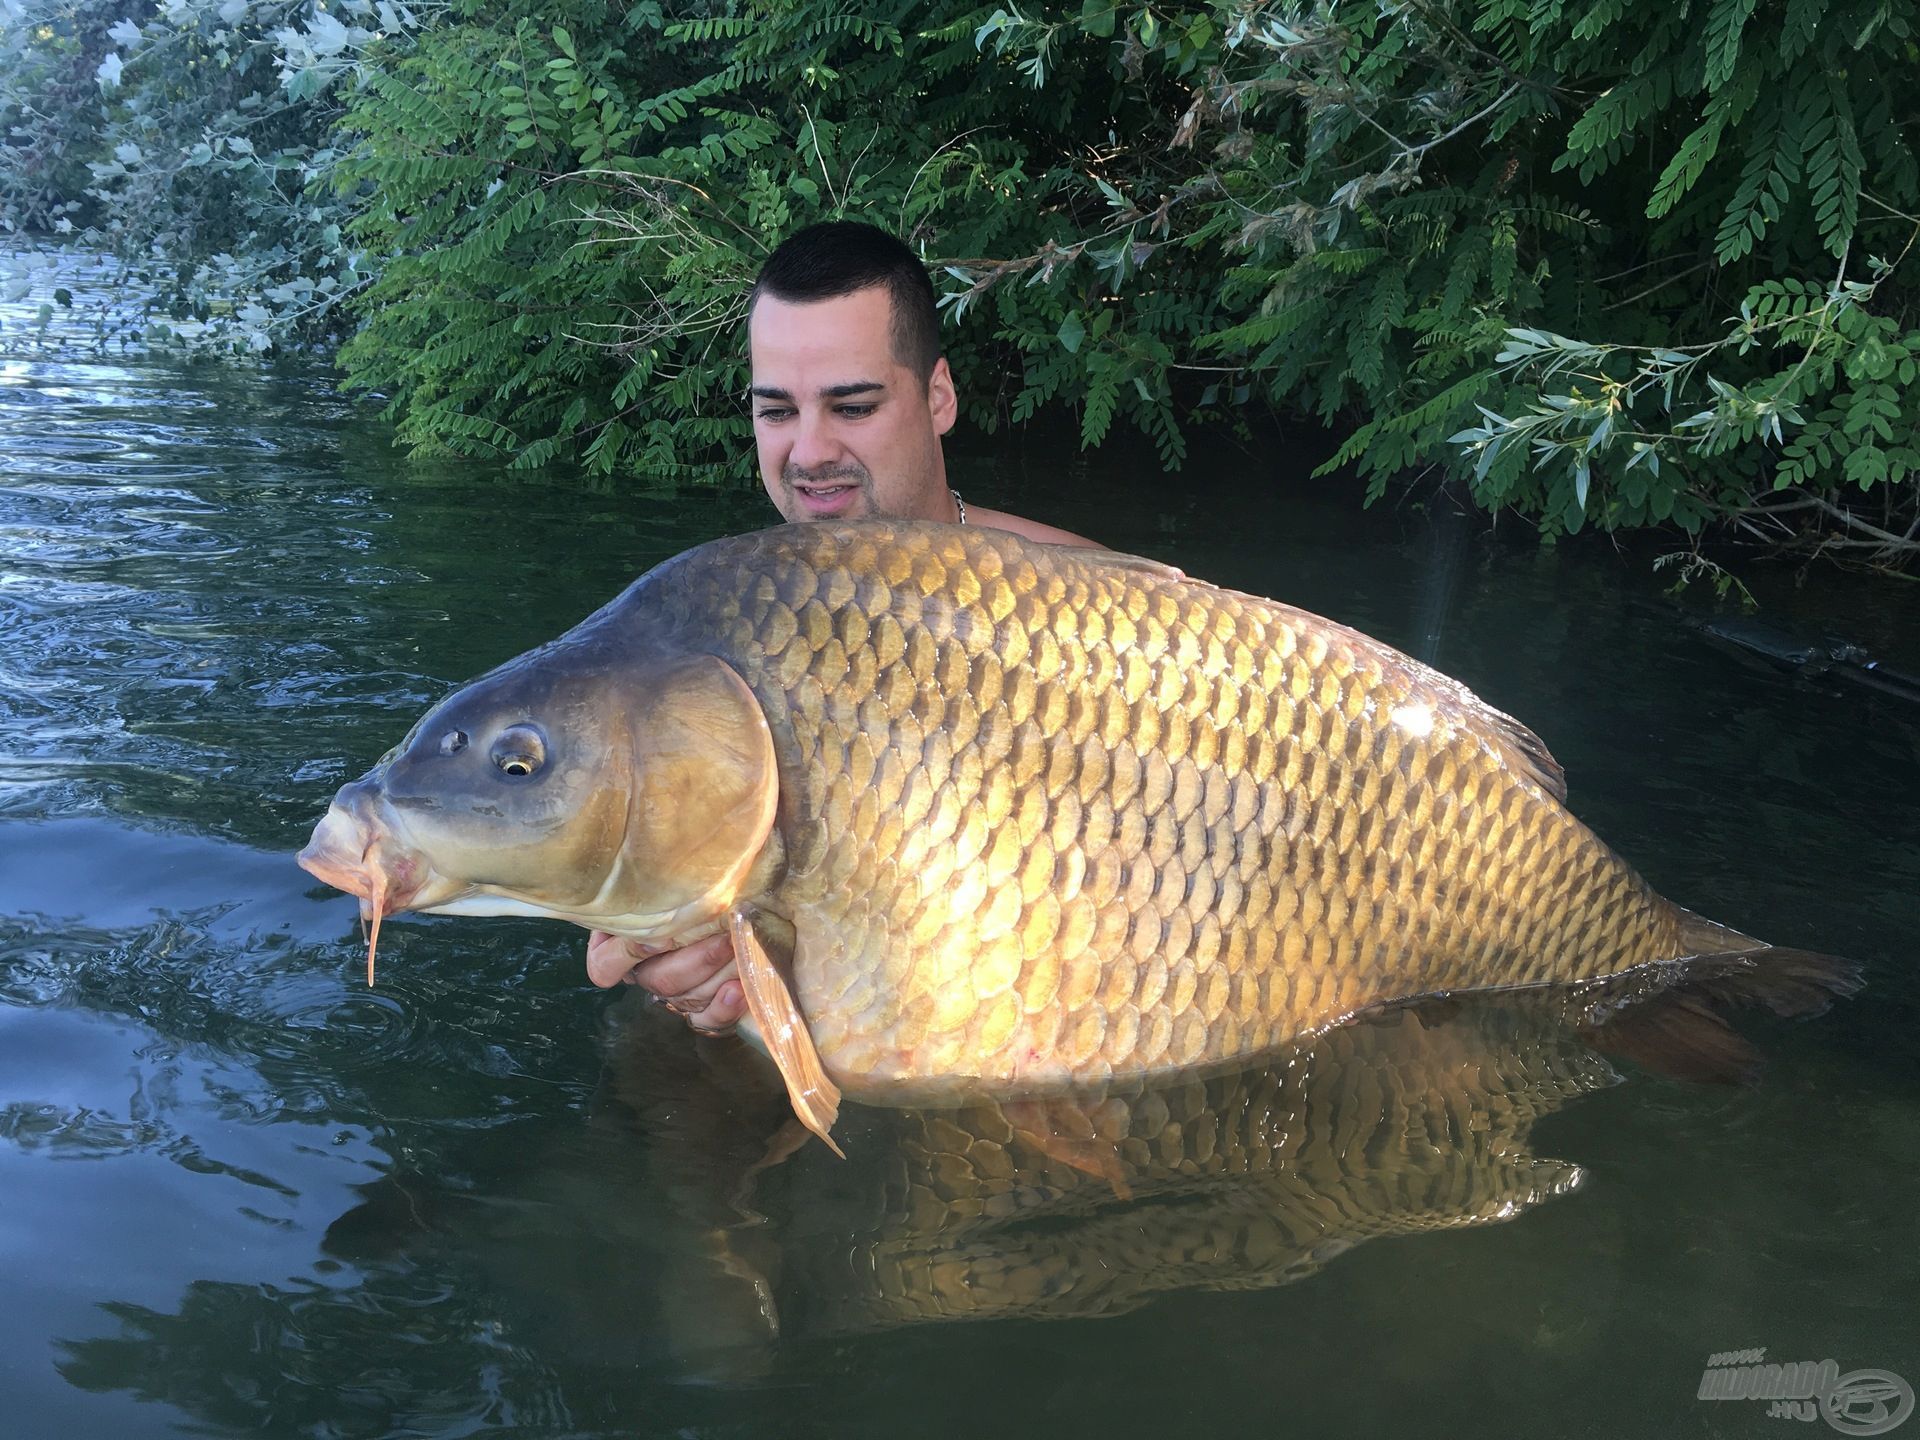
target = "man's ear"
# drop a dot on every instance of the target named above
(941, 399)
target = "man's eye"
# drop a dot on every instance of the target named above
(856, 412)
(773, 412)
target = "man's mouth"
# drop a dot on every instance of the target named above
(827, 497)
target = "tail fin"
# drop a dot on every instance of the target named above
(1732, 968)
(1669, 1019)
(1786, 981)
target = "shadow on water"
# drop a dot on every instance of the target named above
(245, 1196)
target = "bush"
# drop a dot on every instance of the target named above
(186, 143)
(1611, 263)
(574, 214)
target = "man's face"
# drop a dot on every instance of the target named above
(844, 430)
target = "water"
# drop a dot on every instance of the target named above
(240, 1194)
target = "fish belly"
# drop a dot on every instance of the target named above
(1054, 816)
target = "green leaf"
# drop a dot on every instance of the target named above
(1835, 170)
(1867, 466)
(1725, 22)
(1071, 332)
(1574, 515)
(1767, 181)
(1686, 167)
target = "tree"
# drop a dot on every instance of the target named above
(1610, 263)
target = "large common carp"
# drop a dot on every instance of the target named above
(983, 815)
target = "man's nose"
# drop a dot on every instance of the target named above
(816, 442)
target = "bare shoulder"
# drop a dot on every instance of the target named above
(1030, 529)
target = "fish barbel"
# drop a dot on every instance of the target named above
(987, 816)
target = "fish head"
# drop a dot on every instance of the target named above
(620, 791)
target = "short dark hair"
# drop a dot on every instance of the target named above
(838, 257)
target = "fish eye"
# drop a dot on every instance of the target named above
(519, 751)
(453, 742)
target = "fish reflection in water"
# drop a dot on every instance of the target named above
(1405, 1120)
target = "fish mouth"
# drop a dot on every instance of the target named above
(366, 860)
(363, 859)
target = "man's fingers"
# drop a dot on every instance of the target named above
(610, 956)
(678, 973)
(724, 1011)
(697, 981)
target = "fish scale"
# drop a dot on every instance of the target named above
(980, 817)
(1056, 816)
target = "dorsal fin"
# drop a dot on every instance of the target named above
(1528, 753)
(1121, 560)
(1525, 751)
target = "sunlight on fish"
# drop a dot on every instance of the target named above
(985, 816)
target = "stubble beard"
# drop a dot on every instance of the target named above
(854, 477)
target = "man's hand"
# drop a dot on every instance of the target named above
(698, 980)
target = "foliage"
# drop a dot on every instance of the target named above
(1770, 331)
(47, 114)
(183, 138)
(1399, 211)
(1614, 262)
(1419, 204)
(575, 212)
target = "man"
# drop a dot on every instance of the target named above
(850, 398)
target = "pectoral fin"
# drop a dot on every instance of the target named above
(783, 1029)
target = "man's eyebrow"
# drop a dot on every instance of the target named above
(832, 392)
